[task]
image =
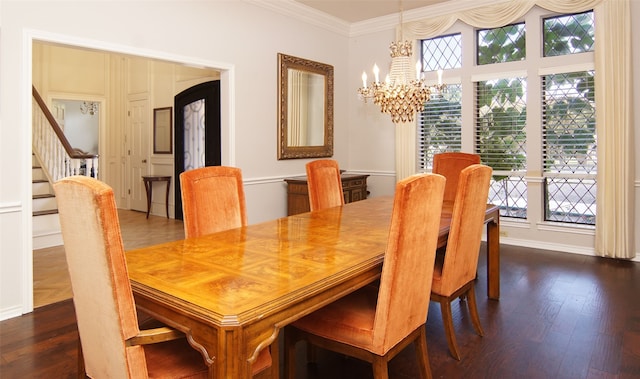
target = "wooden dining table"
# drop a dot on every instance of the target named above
(231, 292)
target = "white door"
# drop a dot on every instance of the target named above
(138, 152)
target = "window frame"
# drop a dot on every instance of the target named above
(532, 69)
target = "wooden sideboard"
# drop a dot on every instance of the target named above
(354, 187)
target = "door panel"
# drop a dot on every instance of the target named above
(197, 132)
(138, 145)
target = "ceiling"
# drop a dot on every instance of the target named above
(359, 10)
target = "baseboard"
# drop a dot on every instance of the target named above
(572, 249)
(47, 239)
(11, 312)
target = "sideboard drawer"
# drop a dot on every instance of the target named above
(354, 188)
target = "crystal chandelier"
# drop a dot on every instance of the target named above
(90, 107)
(404, 91)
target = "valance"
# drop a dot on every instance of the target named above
(492, 16)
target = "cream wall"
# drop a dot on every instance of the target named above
(114, 78)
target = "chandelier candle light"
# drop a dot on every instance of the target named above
(404, 91)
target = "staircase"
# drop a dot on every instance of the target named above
(46, 225)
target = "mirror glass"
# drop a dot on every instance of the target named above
(305, 108)
(162, 134)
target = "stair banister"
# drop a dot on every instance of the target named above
(58, 157)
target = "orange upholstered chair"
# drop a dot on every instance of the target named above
(324, 183)
(449, 165)
(212, 201)
(112, 344)
(375, 323)
(455, 271)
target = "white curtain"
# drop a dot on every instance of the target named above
(297, 112)
(615, 229)
(615, 206)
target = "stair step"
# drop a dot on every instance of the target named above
(43, 196)
(37, 174)
(44, 202)
(41, 188)
(45, 212)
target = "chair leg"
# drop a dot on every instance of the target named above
(380, 368)
(290, 340)
(312, 353)
(275, 359)
(423, 354)
(82, 374)
(473, 310)
(447, 319)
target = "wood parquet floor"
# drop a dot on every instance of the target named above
(560, 315)
(50, 277)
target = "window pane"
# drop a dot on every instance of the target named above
(505, 44)
(570, 200)
(442, 53)
(501, 140)
(440, 126)
(569, 123)
(569, 147)
(510, 194)
(568, 34)
(500, 123)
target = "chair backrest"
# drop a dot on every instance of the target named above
(102, 296)
(212, 200)
(324, 184)
(405, 282)
(465, 234)
(450, 165)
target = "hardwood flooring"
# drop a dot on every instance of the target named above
(50, 277)
(559, 316)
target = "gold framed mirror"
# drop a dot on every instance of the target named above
(305, 108)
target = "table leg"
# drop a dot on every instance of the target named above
(493, 260)
(149, 189)
(166, 200)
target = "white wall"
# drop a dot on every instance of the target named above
(236, 36)
(240, 38)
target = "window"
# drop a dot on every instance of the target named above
(439, 126)
(506, 44)
(568, 34)
(501, 115)
(440, 123)
(442, 53)
(530, 114)
(569, 147)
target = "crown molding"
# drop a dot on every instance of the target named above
(305, 13)
(312, 16)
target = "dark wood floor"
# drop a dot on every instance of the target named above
(559, 316)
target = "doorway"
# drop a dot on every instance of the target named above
(197, 132)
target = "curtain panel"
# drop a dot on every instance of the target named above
(615, 197)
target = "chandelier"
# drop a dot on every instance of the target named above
(90, 107)
(404, 91)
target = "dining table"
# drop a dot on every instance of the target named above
(232, 292)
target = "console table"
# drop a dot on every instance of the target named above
(354, 187)
(148, 182)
